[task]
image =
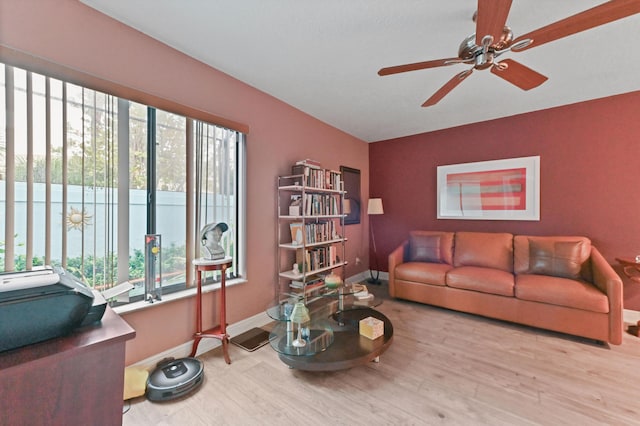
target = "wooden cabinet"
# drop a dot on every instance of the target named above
(72, 380)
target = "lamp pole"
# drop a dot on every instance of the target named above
(374, 208)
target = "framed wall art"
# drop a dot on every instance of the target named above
(351, 179)
(490, 190)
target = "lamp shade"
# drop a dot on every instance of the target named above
(300, 313)
(375, 206)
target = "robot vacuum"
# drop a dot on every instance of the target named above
(174, 378)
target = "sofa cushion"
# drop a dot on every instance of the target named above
(424, 248)
(431, 246)
(526, 262)
(577, 294)
(485, 280)
(484, 249)
(421, 272)
(555, 258)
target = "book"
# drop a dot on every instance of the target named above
(309, 162)
(310, 286)
(362, 292)
(300, 170)
(364, 301)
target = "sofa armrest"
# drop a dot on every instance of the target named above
(606, 279)
(396, 257)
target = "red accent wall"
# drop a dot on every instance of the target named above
(589, 174)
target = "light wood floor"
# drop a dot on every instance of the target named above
(443, 367)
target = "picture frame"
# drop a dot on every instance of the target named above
(506, 189)
(352, 198)
(297, 232)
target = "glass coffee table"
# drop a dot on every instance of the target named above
(333, 336)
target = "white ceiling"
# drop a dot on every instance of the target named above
(322, 57)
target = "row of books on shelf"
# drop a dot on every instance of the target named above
(316, 177)
(314, 287)
(314, 232)
(312, 282)
(320, 204)
(319, 257)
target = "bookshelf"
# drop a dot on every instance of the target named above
(311, 246)
(310, 231)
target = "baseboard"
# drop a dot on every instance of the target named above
(630, 316)
(357, 278)
(384, 275)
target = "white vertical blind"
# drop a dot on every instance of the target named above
(215, 180)
(123, 190)
(48, 147)
(65, 173)
(10, 198)
(29, 241)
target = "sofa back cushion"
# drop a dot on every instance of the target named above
(485, 249)
(563, 256)
(430, 246)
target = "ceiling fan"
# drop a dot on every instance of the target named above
(493, 38)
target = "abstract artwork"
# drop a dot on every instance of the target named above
(351, 179)
(490, 190)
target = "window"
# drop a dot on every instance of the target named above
(85, 176)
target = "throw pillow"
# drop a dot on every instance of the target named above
(555, 258)
(425, 248)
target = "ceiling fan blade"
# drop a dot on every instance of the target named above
(596, 16)
(491, 18)
(517, 74)
(419, 66)
(451, 84)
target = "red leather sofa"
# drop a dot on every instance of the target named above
(559, 283)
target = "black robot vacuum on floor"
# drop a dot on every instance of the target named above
(174, 378)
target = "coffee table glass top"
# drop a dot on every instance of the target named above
(332, 300)
(316, 336)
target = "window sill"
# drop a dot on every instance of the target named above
(178, 295)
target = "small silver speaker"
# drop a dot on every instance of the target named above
(174, 378)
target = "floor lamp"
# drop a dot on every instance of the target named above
(374, 208)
